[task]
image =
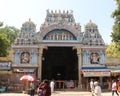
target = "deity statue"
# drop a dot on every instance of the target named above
(94, 58)
(25, 57)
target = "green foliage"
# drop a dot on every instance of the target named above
(112, 51)
(11, 32)
(4, 45)
(7, 36)
(116, 27)
(1, 24)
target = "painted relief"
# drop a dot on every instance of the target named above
(59, 35)
(25, 57)
(94, 58)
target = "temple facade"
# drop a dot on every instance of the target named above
(60, 50)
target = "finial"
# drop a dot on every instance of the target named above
(71, 11)
(29, 20)
(59, 11)
(90, 21)
(55, 11)
(51, 11)
(63, 11)
(67, 12)
(47, 10)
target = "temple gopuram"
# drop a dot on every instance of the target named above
(60, 51)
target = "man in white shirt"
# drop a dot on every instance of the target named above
(91, 85)
(52, 85)
(97, 90)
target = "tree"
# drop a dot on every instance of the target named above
(4, 45)
(116, 27)
(11, 32)
(7, 36)
(112, 51)
(1, 24)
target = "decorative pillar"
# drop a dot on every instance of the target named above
(39, 60)
(79, 52)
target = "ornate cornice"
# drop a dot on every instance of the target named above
(93, 47)
(24, 65)
(49, 28)
(24, 46)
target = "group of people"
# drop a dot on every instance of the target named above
(45, 88)
(96, 89)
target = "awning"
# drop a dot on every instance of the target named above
(95, 71)
(115, 71)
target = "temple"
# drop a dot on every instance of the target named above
(60, 51)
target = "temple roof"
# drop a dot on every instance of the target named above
(28, 23)
(28, 26)
(90, 24)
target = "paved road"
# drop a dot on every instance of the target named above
(58, 93)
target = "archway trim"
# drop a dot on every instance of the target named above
(69, 28)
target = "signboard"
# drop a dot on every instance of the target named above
(5, 65)
(23, 70)
(96, 74)
(5, 72)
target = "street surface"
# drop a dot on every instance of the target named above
(59, 93)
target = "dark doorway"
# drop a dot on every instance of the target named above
(60, 63)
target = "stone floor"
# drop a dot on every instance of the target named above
(59, 93)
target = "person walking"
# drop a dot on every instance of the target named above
(52, 85)
(32, 88)
(114, 87)
(91, 86)
(39, 89)
(97, 89)
(46, 90)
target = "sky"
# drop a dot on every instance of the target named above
(16, 12)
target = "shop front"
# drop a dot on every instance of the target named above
(115, 72)
(5, 73)
(17, 84)
(19, 72)
(97, 74)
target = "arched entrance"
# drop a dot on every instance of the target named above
(60, 63)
